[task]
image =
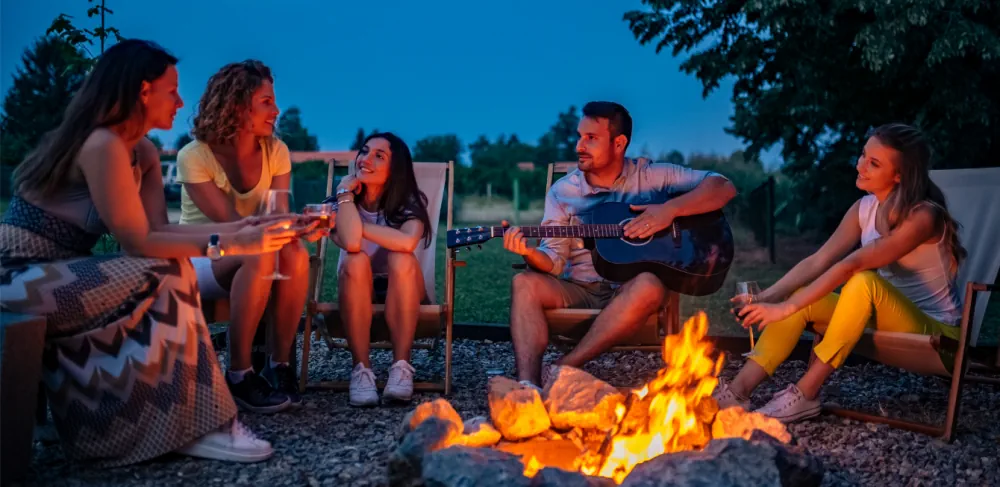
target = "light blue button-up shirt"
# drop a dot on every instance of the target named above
(642, 182)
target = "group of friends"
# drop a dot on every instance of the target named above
(130, 372)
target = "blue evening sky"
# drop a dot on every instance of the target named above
(416, 67)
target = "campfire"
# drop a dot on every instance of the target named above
(581, 424)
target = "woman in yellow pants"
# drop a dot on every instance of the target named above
(901, 279)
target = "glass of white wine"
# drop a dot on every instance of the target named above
(276, 202)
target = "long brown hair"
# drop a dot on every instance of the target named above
(915, 185)
(223, 108)
(109, 96)
(401, 198)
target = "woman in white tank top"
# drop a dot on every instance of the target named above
(381, 219)
(900, 280)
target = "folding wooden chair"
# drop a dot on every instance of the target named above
(649, 337)
(434, 179)
(974, 201)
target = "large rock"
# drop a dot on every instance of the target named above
(735, 422)
(562, 454)
(405, 462)
(461, 466)
(557, 477)
(517, 410)
(576, 399)
(730, 462)
(478, 432)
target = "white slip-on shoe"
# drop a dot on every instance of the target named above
(236, 445)
(399, 387)
(727, 398)
(790, 405)
(363, 391)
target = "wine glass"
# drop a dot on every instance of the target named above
(276, 202)
(746, 292)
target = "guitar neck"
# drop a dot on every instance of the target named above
(608, 230)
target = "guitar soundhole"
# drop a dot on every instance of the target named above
(635, 242)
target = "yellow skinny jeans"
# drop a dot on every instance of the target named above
(866, 301)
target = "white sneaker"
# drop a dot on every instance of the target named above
(790, 405)
(364, 392)
(236, 445)
(727, 398)
(399, 387)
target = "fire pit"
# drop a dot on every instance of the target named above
(582, 431)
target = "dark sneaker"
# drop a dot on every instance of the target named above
(254, 394)
(282, 378)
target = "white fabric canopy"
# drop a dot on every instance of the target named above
(973, 198)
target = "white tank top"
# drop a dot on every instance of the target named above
(922, 275)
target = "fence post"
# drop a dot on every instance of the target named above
(517, 203)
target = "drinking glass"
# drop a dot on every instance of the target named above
(276, 202)
(321, 211)
(746, 293)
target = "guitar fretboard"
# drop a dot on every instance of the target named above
(603, 230)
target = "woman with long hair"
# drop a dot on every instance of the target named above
(901, 279)
(227, 173)
(381, 219)
(129, 367)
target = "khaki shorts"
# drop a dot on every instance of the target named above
(585, 295)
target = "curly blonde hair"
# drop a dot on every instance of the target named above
(226, 101)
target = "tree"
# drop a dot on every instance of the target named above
(559, 143)
(156, 142)
(359, 138)
(293, 133)
(437, 148)
(674, 157)
(815, 76)
(182, 140)
(43, 87)
(63, 27)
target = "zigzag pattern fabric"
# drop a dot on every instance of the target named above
(130, 371)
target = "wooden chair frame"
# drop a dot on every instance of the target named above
(441, 315)
(910, 351)
(648, 339)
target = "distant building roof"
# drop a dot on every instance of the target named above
(303, 156)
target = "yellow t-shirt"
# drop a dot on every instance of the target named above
(197, 164)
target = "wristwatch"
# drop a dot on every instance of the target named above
(214, 251)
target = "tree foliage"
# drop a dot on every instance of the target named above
(182, 140)
(293, 133)
(437, 148)
(62, 26)
(43, 86)
(815, 75)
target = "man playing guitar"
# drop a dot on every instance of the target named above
(560, 270)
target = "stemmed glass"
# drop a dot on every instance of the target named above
(276, 202)
(746, 293)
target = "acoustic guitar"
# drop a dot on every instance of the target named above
(692, 256)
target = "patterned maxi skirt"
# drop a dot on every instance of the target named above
(129, 368)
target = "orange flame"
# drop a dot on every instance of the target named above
(532, 466)
(666, 406)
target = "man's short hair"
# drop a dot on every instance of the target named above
(619, 120)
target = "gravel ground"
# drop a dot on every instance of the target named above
(327, 442)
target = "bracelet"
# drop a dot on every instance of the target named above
(343, 201)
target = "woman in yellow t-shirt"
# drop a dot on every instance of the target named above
(226, 173)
